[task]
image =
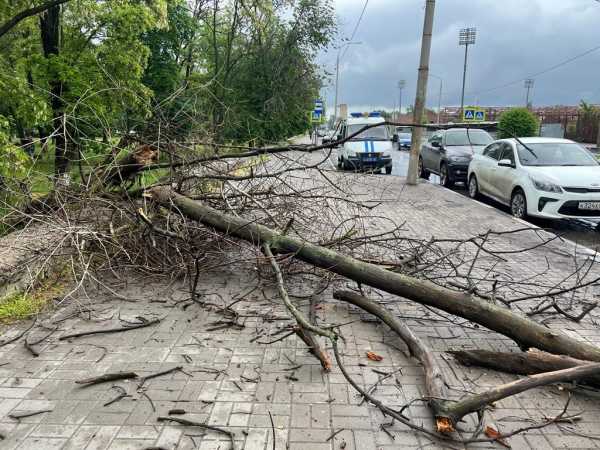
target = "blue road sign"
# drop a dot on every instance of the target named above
(318, 106)
(473, 114)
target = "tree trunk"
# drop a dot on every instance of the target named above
(527, 363)
(50, 34)
(522, 330)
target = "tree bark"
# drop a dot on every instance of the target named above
(527, 363)
(50, 34)
(456, 410)
(522, 330)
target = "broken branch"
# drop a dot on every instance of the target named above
(522, 330)
(146, 323)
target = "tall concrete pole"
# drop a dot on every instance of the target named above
(415, 144)
(466, 37)
(462, 95)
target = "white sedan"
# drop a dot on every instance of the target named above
(542, 177)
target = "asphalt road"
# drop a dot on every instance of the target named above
(580, 231)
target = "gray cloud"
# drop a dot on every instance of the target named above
(516, 38)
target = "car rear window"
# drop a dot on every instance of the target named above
(468, 137)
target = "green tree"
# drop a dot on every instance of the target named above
(78, 70)
(519, 122)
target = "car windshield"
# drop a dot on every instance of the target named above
(376, 133)
(555, 154)
(468, 137)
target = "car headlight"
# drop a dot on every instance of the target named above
(546, 186)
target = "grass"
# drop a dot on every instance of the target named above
(22, 305)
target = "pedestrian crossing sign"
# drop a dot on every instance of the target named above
(316, 117)
(473, 114)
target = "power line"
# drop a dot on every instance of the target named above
(541, 72)
(357, 25)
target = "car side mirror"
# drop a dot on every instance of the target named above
(435, 144)
(395, 138)
(506, 163)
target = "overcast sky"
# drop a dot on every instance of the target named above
(515, 40)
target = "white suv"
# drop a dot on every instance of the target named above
(543, 177)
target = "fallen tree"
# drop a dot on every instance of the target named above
(526, 363)
(449, 412)
(525, 332)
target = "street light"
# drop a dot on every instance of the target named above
(466, 37)
(528, 85)
(401, 85)
(439, 96)
(337, 75)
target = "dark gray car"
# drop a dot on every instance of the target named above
(449, 152)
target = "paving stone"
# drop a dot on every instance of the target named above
(102, 438)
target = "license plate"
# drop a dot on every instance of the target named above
(593, 206)
(369, 159)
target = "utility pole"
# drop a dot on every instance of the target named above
(401, 85)
(466, 37)
(337, 77)
(417, 132)
(528, 86)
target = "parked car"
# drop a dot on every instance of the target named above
(371, 149)
(449, 152)
(402, 138)
(543, 177)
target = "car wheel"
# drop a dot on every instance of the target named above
(388, 170)
(518, 204)
(422, 172)
(473, 187)
(444, 177)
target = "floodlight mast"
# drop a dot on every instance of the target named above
(466, 37)
(528, 85)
